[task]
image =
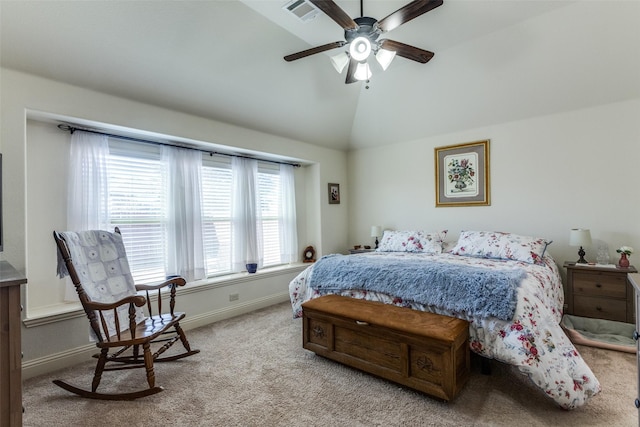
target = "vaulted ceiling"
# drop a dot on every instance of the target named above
(495, 61)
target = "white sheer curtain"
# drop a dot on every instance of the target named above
(87, 188)
(288, 230)
(246, 214)
(185, 247)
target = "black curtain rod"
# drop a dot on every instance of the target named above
(72, 129)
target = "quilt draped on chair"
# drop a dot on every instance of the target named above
(100, 260)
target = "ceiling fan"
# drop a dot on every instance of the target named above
(362, 36)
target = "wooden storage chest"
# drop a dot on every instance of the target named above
(424, 351)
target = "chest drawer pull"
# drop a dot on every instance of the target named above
(359, 322)
(598, 285)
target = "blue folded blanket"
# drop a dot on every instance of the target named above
(477, 291)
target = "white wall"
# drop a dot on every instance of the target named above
(34, 182)
(548, 175)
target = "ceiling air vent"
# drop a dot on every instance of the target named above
(302, 9)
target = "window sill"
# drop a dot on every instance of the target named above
(234, 278)
(66, 311)
(53, 314)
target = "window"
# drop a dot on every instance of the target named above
(270, 197)
(216, 212)
(216, 207)
(137, 205)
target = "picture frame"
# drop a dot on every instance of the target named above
(462, 174)
(334, 194)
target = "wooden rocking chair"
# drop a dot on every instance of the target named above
(110, 300)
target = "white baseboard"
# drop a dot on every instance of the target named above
(54, 362)
(191, 322)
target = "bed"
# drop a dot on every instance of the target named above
(531, 339)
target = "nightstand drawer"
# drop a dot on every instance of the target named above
(601, 308)
(600, 284)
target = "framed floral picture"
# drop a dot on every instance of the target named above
(334, 194)
(462, 174)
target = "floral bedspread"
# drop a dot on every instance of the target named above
(533, 340)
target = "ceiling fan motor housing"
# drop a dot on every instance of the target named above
(366, 28)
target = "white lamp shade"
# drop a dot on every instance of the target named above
(340, 61)
(579, 237)
(376, 231)
(362, 72)
(384, 57)
(360, 48)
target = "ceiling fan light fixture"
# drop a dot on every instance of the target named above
(360, 48)
(363, 72)
(340, 61)
(384, 57)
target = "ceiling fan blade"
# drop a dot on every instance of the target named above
(351, 70)
(334, 12)
(314, 50)
(407, 13)
(407, 51)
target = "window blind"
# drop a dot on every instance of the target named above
(216, 210)
(137, 206)
(269, 189)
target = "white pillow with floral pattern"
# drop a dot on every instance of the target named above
(412, 241)
(500, 245)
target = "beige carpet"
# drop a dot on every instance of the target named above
(253, 371)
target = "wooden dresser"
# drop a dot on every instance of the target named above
(600, 292)
(634, 279)
(425, 351)
(10, 346)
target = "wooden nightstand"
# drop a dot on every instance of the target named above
(599, 291)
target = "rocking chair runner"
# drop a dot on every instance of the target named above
(109, 297)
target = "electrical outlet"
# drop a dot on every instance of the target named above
(234, 297)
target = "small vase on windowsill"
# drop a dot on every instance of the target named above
(624, 261)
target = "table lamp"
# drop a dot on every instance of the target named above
(580, 237)
(376, 231)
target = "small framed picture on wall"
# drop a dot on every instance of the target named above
(334, 194)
